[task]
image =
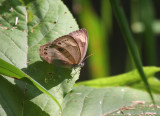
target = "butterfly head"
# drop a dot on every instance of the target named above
(80, 65)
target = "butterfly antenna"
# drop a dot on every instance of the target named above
(88, 56)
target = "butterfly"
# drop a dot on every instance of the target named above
(67, 51)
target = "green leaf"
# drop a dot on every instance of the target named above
(38, 22)
(11, 71)
(128, 78)
(13, 38)
(85, 101)
(50, 20)
(131, 79)
(10, 99)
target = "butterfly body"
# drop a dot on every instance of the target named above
(67, 51)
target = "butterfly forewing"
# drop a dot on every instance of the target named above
(69, 47)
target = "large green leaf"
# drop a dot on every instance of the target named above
(13, 38)
(11, 99)
(13, 49)
(131, 78)
(38, 22)
(12, 71)
(85, 101)
(47, 21)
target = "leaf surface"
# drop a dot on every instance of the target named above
(24, 26)
(86, 101)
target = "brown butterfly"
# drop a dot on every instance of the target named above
(67, 51)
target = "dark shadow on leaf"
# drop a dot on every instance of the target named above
(157, 75)
(48, 75)
(35, 110)
(11, 98)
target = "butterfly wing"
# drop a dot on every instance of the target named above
(50, 54)
(63, 51)
(81, 36)
(70, 46)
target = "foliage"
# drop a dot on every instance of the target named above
(38, 88)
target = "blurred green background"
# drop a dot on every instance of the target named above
(111, 56)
